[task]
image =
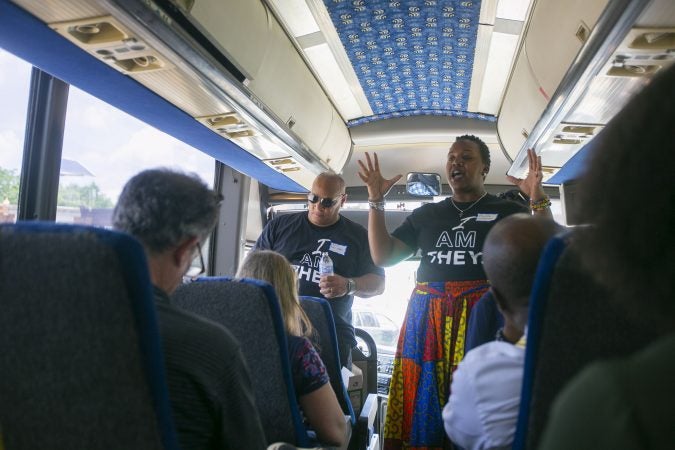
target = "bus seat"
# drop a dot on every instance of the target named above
(366, 360)
(251, 311)
(367, 425)
(571, 323)
(80, 355)
(319, 313)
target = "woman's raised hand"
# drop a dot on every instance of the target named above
(378, 186)
(531, 184)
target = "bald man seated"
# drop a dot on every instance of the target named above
(485, 394)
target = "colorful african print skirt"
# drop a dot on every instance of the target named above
(430, 347)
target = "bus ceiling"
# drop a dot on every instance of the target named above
(281, 90)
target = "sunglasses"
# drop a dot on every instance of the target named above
(325, 202)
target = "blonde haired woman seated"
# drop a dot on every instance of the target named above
(315, 394)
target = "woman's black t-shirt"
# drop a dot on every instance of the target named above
(452, 247)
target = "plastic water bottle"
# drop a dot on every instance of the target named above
(325, 265)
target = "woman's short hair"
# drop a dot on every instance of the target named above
(482, 147)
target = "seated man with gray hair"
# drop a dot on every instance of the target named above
(213, 407)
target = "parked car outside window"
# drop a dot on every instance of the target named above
(381, 328)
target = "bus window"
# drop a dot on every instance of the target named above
(386, 313)
(103, 147)
(14, 89)
(556, 210)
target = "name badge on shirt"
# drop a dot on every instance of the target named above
(486, 217)
(337, 248)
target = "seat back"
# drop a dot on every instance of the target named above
(80, 356)
(249, 309)
(368, 423)
(366, 360)
(320, 314)
(572, 322)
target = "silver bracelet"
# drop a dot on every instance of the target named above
(376, 205)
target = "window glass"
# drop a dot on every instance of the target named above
(14, 92)
(387, 311)
(556, 210)
(384, 321)
(392, 303)
(103, 147)
(368, 320)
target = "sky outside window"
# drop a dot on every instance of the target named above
(14, 89)
(109, 143)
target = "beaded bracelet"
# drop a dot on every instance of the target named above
(376, 205)
(540, 204)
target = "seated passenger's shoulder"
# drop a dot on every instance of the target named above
(492, 373)
(494, 350)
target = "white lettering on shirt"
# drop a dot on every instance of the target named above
(307, 273)
(444, 256)
(316, 276)
(461, 239)
(456, 257)
(444, 240)
(321, 242)
(465, 240)
(306, 260)
(304, 272)
(462, 222)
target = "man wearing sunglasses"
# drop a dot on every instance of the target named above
(303, 237)
(212, 402)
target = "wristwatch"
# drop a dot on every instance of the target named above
(351, 286)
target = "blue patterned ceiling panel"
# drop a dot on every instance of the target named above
(412, 57)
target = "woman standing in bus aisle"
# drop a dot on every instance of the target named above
(450, 279)
(310, 379)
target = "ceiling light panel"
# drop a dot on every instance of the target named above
(499, 62)
(480, 62)
(296, 16)
(513, 9)
(496, 44)
(309, 24)
(333, 79)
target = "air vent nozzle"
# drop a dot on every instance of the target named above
(106, 39)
